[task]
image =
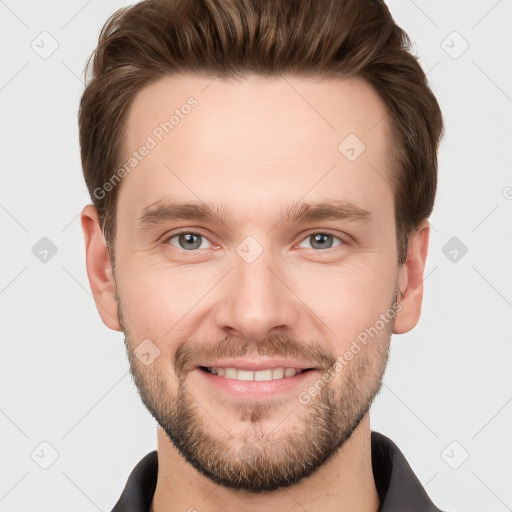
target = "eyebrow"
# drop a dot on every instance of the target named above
(165, 211)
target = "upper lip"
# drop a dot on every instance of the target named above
(257, 364)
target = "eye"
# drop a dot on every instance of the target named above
(321, 240)
(188, 241)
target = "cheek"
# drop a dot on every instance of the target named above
(348, 298)
(158, 298)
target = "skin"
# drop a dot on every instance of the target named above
(257, 146)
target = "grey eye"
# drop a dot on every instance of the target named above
(188, 241)
(321, 240)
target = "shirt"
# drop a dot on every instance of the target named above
(398, 487)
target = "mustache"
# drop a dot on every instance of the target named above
(191, 352)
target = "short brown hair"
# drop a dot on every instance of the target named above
(233, 38)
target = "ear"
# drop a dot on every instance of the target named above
(411, 280)
(99, 268)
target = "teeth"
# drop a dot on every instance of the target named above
(231, 373)
(260, 375)
(263, 375)
(277, 373)
(245, 375)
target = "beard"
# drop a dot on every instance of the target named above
(256, 459)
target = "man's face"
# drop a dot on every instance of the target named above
(264, 282)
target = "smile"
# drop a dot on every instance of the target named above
(249, 375)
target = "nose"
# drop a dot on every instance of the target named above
(256, 301)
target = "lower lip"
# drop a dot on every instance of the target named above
(255, 388)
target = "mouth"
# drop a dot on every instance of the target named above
(255, 380)
(262, 375)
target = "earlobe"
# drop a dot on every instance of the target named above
(411, 280)
(99, 268)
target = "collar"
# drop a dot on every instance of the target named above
(397, 485)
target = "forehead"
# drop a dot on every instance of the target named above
(257, 141)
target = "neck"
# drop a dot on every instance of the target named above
(344, 483)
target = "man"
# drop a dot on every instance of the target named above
(262, 173)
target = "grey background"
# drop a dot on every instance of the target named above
(64, 376)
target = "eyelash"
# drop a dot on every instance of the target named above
(174, 235)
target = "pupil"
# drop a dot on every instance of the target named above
(321, 238)
(188, 238)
